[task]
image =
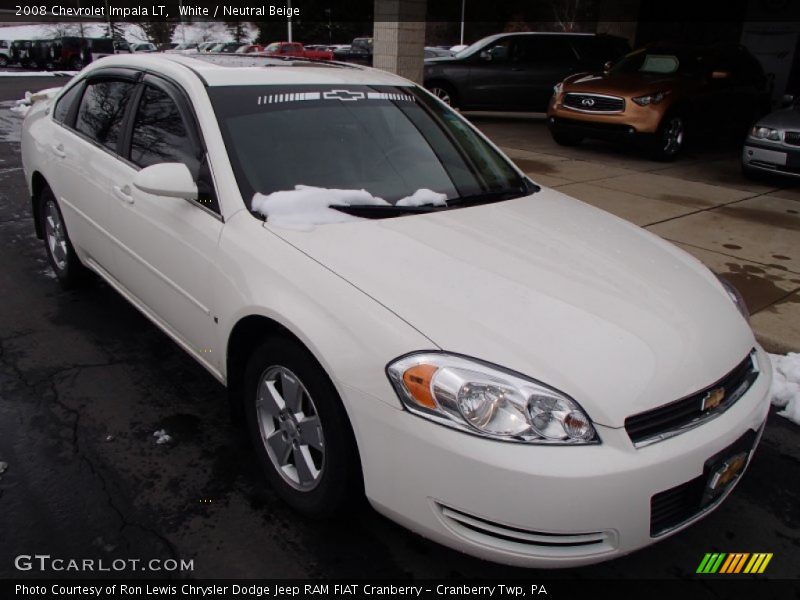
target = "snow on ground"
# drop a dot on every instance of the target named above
(785, 390)
(25, 73)
(10, 122)
(162, 437)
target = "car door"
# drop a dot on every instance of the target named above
(494, 81)
(166, 247)
(541, 61)
(84, 150)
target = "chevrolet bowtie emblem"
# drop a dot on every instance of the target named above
(344, 95)
(713, 399)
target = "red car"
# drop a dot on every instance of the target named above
(294, 49)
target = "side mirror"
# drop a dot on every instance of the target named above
(720, 74)
(607, 66)
(167, 179)
(787, 100)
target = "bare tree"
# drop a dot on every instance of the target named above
(158, 32)
(567, 13)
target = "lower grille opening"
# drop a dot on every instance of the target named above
(488, 532)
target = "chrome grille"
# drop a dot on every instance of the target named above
(670, 419)
(594, 103)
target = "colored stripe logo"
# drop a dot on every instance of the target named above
(734, 562)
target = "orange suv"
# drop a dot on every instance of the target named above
(660, 94)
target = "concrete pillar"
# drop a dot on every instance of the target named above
(399, 37)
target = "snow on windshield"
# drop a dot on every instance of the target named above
(306, 206)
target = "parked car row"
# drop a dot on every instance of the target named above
(593, 86)
(58, 53)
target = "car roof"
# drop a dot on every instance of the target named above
(243, 69)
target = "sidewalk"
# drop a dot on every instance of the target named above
(748, 232)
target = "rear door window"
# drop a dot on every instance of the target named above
(102, 111)
(543, 50)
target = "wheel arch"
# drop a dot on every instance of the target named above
(245, 336)
(38, 184)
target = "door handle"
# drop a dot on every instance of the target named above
(58, 150)
(124, 193)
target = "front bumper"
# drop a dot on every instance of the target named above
(771, 158)
(536, 506)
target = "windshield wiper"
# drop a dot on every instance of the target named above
(383, 211)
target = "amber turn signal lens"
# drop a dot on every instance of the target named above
(417, 380)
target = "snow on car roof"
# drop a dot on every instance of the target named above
(222, 70)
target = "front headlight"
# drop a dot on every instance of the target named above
(651, 98)
(765, 133)
(486, 400)
(558, 88)
(735, 297)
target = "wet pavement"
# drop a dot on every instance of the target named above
(85, 381)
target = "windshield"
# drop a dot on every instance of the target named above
(389, 141)
(658, 61)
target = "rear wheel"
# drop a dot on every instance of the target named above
(60, 253)
(76, 63)
(671, 137)
(300, 430)
(3, 60)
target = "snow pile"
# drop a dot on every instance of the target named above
(422, 197)
(162, 437)
(785, 390)
(306, 206)
(23, 105)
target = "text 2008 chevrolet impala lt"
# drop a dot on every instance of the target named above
(399, 310)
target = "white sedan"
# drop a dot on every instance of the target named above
(397, 310)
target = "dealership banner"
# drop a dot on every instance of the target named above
(565, 587)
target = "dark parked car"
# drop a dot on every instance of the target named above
(20, 52)
(517, 71)
(72, 53)
(359, 52)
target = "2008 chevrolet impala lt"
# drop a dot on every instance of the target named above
(397, 309)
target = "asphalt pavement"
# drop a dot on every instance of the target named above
(85, 381)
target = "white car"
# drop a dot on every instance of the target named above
(402, 313)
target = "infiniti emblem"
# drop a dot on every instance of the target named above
(587, 102)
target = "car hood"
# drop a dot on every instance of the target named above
(785, 118)
(548, 286)
(622, 84)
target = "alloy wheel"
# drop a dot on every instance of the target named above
(442, 94)
(290, 428)
(56, 236)
(673, 135)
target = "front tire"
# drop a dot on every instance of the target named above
(671, 137)
(300, 430)
(3, 61)
(60, 252)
